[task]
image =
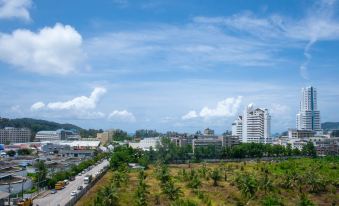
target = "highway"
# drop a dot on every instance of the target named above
(63, 196)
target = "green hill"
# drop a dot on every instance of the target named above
(327, 126)
(37, 125)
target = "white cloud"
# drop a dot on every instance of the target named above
(189, 47)
(190, 115)
(37, 106)
(122, 115)
(318, 25)
(279, 110)
(52, 50)
(225, 108)
(78, 103)
(15, 9)
(80, 107)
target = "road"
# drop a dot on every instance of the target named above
(64, 195)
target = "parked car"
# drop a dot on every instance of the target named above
(74, 193)
(53, 191)
(80, 187)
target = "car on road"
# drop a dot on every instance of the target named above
(80, 187)
(74, 193)
(53, 191)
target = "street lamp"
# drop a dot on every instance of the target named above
(22, 187)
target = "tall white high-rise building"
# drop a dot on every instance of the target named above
(237, 127)
(308, 117)
(253, 126)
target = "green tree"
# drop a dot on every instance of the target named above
(314, 180)
(215, 176)
(309, 149)
(24, 151)
(11, 153)
(172, 192)
(247, 185)
(265, 182)
(141, 192)
(162, 173)
(41, 173)
(109, 195)
(194, 180)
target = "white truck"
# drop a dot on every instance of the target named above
(87, 179)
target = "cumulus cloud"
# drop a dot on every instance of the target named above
(77, 103)
(225, 108)
(51, 50)
(122, 115)
(15, 9)
(190, 115)
(81, 102)
(37, 106)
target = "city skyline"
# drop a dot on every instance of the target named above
(166, 65)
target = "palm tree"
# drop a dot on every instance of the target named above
(172, 192)
(265, 183)
(194, 180)
(109, 195)
(141, 192)
(247, 185)
(203, 171)
(215, 176)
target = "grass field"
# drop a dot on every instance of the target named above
(227, 192)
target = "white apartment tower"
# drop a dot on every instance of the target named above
(308, 117)
(253, 126)
(237, 127)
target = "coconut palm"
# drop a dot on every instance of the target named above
(215, 176)
(141, 192)
(247, 185)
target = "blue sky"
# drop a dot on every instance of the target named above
(166, 65)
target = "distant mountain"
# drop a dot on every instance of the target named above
(327, 126)
(37, 125)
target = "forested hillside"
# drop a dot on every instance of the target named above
(37, 125)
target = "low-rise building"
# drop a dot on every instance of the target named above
(327, 146)
(146, 144)
(206, 142)
(208, 132)
(179, 141)
(103, 137)
(56, 135)
(230, 140)
(10, 135)
(295, 133)
(71, 148)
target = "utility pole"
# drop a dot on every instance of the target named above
(22, 188)
(9, 189)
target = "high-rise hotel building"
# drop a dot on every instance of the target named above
(253, 126)
(308, 117)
